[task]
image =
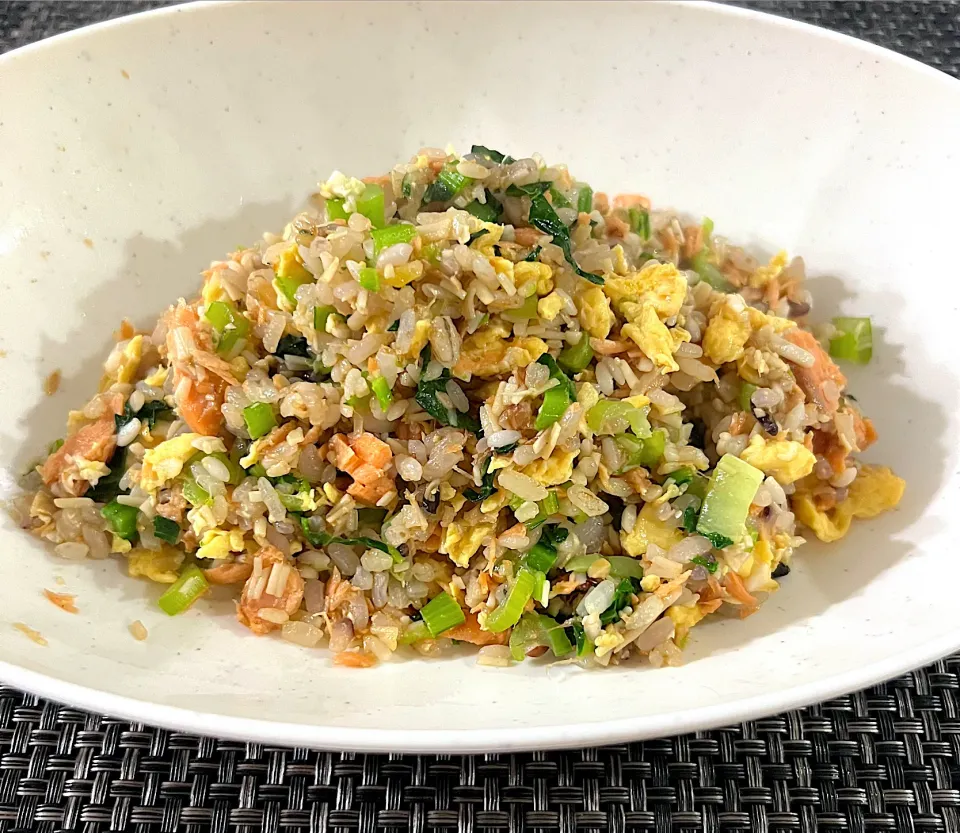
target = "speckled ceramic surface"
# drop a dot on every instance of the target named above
(133, 153)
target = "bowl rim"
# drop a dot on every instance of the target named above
(464, 741)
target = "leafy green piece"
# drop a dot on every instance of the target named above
(488, 211)
(576, 357)
(559, 200)
(165, 529)
(394, 326)
(719, 541)
(554, 636)
(292, 346)
(690, 516)
(585, 199)
(853, 341)
(545, 218)
(406, 187)
(534, 189)
(384, 238)
(534, 254)
(371, 204)
(709, 563)
(477, 235)
(486, 488)
(491, 154)
(578, 636)
(640, 222)
(445, 187)
(108, 486)
(184, 591)
(426, 397)
(321, 539)
(442, 613)
(259, 418)
(680, 476)
(148, 414)
(507, 449)
(621, 598)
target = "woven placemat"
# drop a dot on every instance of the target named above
(887, 759)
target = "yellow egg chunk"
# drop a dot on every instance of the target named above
(785, 460)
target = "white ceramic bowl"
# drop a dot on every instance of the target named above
(134, 152)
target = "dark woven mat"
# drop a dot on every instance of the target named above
(887, 759)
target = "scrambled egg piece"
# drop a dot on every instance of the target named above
(120, 545)
(761, 319)
(421, 335)
(489, 353)
(291, 266)
(596, 317)
(495, 502)
(648, 530)
(460, 544)
(485, 244)
(608, 641)
(767, 273)
(159, 377)
(875, 490)
(219, 543)
(684, 618)
(502, 266)
(347, 188)
(553, 471)
(166, 461)
(541, 273)
(620, 265)
(549, 306)
(126, 370)
(659, 284)
(162, 566)
(727, 334)
(212, 289)
(785, 460)
(653, 337)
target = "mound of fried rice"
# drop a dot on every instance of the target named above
(470, 401)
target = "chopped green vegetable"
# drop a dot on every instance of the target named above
(426, 397)
(487, 488)
(621, 566)
(555, 400)
(621, 599)
(554, 636)
(184, 591)
(510, 610)
(507, 449)
(442, 613)
(477, 235)
(653, 448)
(384, 238)
(614, 416)
(719, 541)
(541, 558)
(288, 286)
(707, 226)
(534, 254)
(257, 470)
(415, 632)
(55, 446)
(446, 186)
(292, 346)
(743, 400)
(165, 529)
(576, 357)
(579, 637)
(526, 310)
(640, 222)
(259, 419)
(585, 199)
(193, 492)
(492, 155)
(108, 486)
(543, 217)
(690, 517)
(394, 326)
(550, 504)
(555, 404)
(148, 414)
(532, 189)
(369, 279)
(370, 205)
(558, 199)
(854, 340)
(321, 539)
(709, 273)
(708, 562)
(236, 472)
(680, 476)
(524, 636)
(229, 326)
(336, 211)
(122, 519)
(727, 501)
(489, 211)
(382, 391)
(320, 316)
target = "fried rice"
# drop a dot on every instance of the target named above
(472, 401)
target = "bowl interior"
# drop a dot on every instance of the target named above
(135, 153)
